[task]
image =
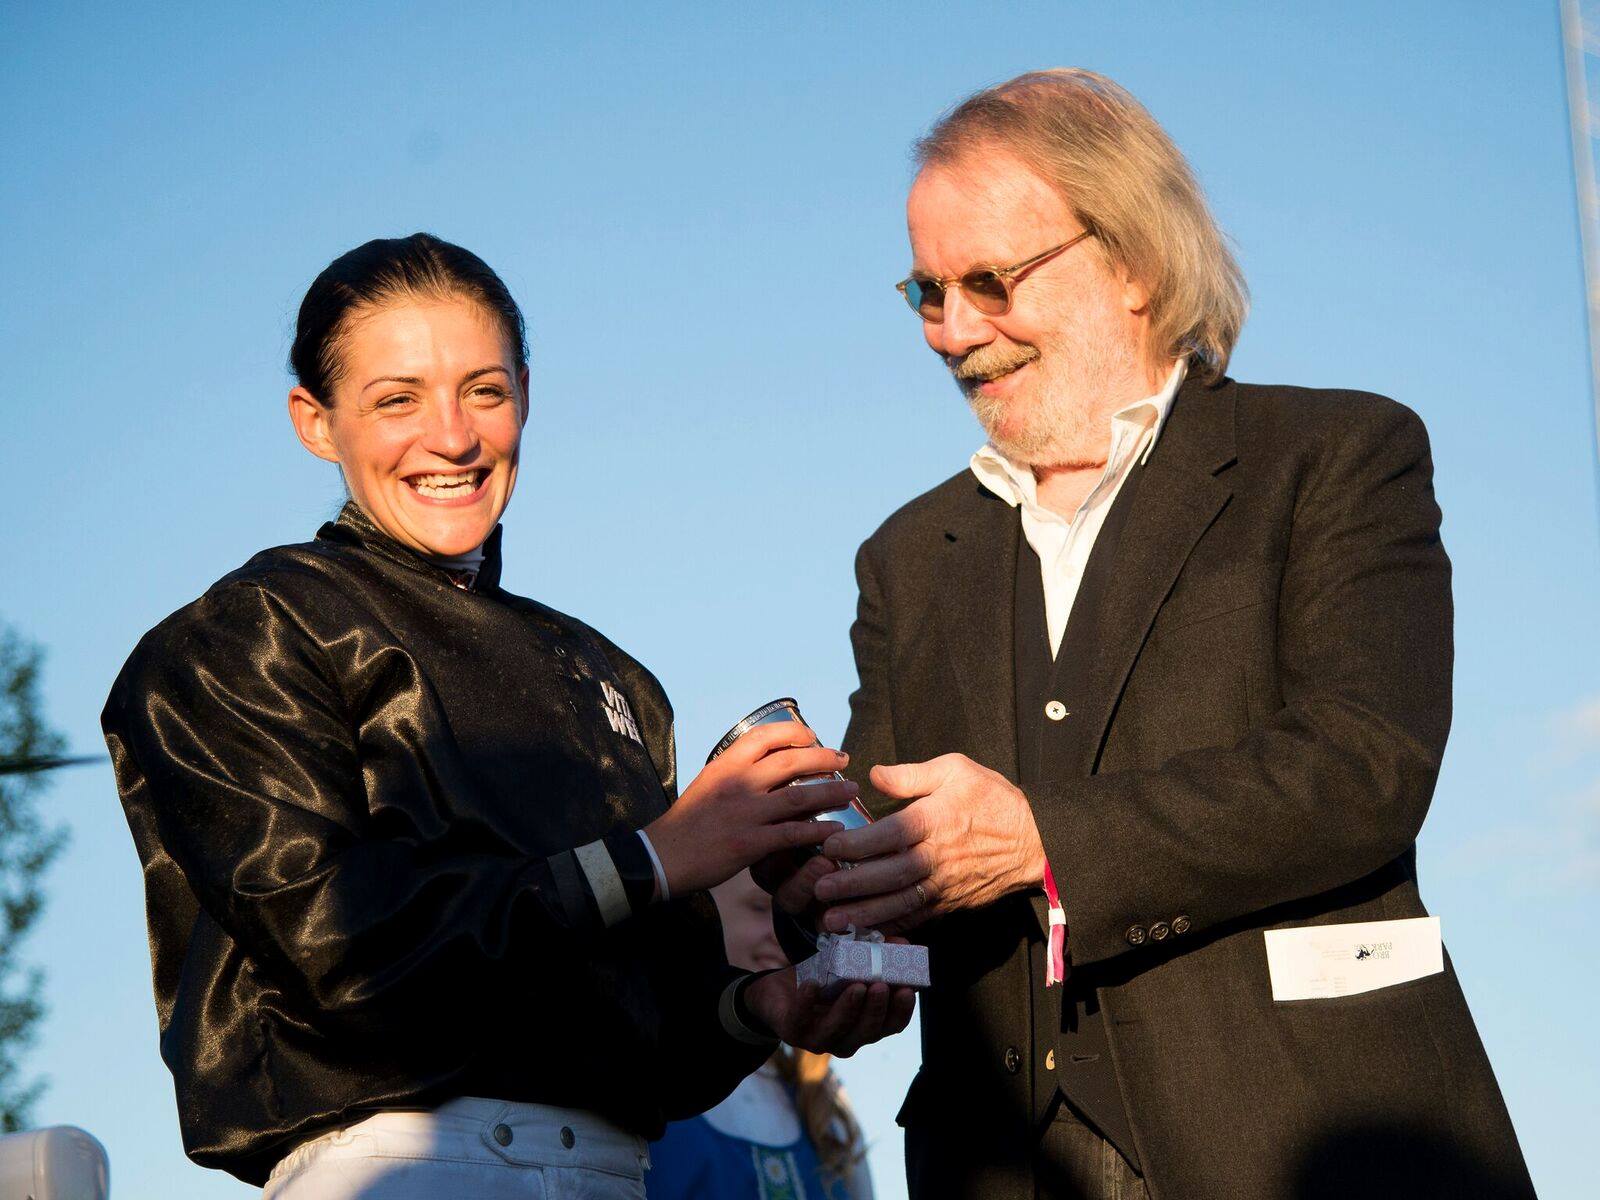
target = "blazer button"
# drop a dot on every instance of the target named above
(1013, 1060)
(1055, 710)
(502, 1134)
(1159, 931)
(1180, 924)
(1135, 935)
(1050, 1060)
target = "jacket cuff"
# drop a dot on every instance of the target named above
(634, 866)
(737, 1020)
(604, 882)
(663, 892)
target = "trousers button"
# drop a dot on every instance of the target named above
(502, 1134)
(1013, 1060)
(568, 1138)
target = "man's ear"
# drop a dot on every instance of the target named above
(522, 379)
(1135, 296)
(312, 424)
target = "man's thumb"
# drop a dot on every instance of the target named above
(905, 781)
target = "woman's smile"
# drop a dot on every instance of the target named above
(452, 488)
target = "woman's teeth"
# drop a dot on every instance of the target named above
(446, 487)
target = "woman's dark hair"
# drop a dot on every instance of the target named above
(380, 272)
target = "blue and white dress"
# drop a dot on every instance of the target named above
(749, 1147)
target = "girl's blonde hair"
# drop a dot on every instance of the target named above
(829, 1126)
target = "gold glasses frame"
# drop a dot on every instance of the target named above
(970, 283)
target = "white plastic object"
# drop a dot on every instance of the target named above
(61, 1162)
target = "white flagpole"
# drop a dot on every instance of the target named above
(1577, 44)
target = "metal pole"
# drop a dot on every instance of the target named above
(1576, 48)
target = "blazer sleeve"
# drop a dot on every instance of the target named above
(1332, 786)
(235, 749)
(869, 738)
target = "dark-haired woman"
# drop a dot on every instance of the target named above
(425, 918)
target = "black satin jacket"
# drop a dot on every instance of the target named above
(352, 786)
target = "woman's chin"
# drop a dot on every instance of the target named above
(451, 529)
(455, 539)
(441, 539)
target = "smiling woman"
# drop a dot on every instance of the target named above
(414, 379)
(427, 917)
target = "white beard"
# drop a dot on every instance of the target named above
(1057, 420)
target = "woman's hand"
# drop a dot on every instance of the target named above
(857, 1017)
(738, 810)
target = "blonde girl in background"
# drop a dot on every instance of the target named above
(786, 1132)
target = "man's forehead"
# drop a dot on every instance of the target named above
(980, 206)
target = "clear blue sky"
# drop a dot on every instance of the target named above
(700, 210)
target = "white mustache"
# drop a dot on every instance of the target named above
(991, 362)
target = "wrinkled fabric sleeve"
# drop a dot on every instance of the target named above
(249, 759)
(704, 1053)
(1333, 785)
(702, 1057)
(869, 739)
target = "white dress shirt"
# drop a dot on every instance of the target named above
(1062, 544)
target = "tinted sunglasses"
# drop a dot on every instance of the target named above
(988, 289)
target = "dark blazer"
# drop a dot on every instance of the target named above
(1269, 701)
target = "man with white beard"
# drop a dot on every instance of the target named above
(1153, 698)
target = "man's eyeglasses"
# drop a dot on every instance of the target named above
(988, 288)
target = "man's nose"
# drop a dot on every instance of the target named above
(963, 329)
(449, 431)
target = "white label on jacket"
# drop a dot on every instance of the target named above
(1341, 960)
(618, 715)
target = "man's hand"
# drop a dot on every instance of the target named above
(857, 1017)
(967, 839)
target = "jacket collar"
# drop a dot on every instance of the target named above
(353, 527)
(1184, 490)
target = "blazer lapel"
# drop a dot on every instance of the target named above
(1178, 499)
(978, 577)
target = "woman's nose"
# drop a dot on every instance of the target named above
(449, 431)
